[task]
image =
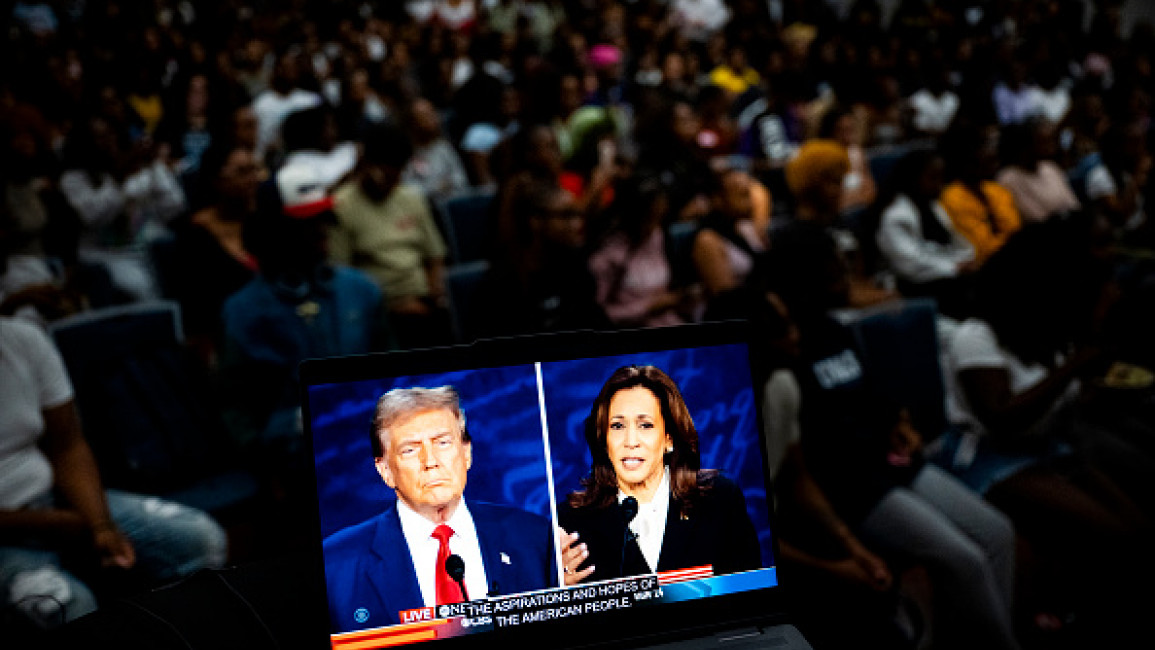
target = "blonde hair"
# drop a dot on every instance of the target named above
(813, 158)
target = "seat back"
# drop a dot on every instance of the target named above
(464, 284)
(680, 238)
(900, 350)
(467, 224)
(138, 405)
(161, 254)
(882, 161)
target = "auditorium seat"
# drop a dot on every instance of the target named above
(143, 416)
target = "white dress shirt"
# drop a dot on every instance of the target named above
(423, 549)
(650, 523)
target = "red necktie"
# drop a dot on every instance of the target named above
(448, 591)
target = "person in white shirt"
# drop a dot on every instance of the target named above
(916, 238)
(1013, 379)
(121, 208)
(934, 105)
(52, 503)
(699, 19)
(282, 97)
(397, 560)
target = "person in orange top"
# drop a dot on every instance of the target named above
(981, 210)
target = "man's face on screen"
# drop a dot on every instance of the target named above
(426, 462)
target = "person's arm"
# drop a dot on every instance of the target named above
(1000, 410)
(435, 276)
(78, 482)
(709, 255)
(458, 180)
(1121, 203)
(340, 242)
(53, 524)
(434, 250)
(1006, 214)
(156, 187)
(600, 178)
(859, 564)
(94, 206)
(907, 252)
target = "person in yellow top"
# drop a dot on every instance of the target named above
(981, 210)
(735, 76)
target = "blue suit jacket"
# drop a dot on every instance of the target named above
(370, 577)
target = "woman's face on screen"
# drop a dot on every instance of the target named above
(636, 441)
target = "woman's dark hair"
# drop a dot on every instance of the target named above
(687, 479)
(81, 150)
(208, 173)
(829, 122)
(1017, 145)
(303, 129)
(633, 202)
(387, 145)
(960, 147)
(1038, 291)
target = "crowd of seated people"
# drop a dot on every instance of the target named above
(642, 164)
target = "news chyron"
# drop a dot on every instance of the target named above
(485, 615)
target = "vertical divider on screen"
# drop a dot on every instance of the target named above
(548, 471)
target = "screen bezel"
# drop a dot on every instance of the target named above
(757, 607)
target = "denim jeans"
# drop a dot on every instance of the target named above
(171, 541)
(966, 544)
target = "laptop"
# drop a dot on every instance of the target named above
(525, 402)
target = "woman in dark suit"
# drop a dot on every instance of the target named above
(647, 505)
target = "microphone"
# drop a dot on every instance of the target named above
(629, 510)
(455, 567)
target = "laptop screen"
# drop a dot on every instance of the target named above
(577, 488)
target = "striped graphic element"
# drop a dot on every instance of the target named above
(686, 575)
(387, 637)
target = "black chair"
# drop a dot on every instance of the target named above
(680, 248)
(161, 254)
(882, 161)
(900, 351)
(466, 224)
(464, 284)
(142, 412)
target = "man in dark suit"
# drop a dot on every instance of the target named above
(396, 561)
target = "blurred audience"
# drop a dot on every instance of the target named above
(207, 260)
(1035, 180)
(608, 133)
(385, 229)
(60, 531)
(298, 307)
(435, 166)
(917, 239)
(635, 280)
(981, 210)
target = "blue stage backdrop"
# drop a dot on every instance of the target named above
(715, 382)
(501, 410)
